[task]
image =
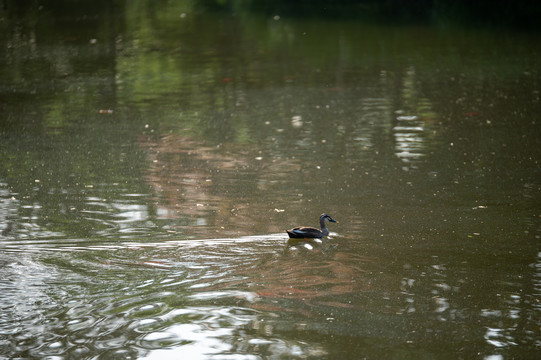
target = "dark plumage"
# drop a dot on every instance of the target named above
(310, 232)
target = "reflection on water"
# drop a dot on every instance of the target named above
(147, 176)
(242, 296)
(408, 136)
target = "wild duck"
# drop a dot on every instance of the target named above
(310, 232)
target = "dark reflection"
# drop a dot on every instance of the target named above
(483, 13)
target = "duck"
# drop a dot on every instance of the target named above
(304, 232)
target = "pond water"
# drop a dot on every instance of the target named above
(151, 158)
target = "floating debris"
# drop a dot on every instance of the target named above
(296, 121)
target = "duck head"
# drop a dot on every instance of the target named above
(324, 217)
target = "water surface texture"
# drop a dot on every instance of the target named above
(152, 154)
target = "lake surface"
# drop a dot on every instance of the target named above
(152, 155)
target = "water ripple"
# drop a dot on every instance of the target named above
(229, 297)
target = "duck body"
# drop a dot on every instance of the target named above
(304, 232)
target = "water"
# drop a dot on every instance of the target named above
(147, 176)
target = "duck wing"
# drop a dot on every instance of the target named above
(304, 232)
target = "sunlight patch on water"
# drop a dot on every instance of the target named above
(409, 138)
(205, 333)
(498, 338)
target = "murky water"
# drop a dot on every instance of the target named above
(152, 156)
